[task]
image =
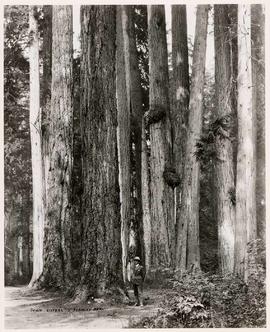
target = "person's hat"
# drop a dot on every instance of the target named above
(137, 258)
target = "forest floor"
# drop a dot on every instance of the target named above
(27, 308)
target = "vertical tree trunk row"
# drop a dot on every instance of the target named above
(180, 88)
(162, 198)
(35, 132)
(187, 249)
(135, 101)
(46, 95)
(258, 98)
(224, 114)
(123, 138)
(245, 227)
(101, 261)
(57, 264)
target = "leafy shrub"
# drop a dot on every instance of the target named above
(212, 300)
(178, 311)
(159, 278)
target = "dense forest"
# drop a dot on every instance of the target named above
(126, 149)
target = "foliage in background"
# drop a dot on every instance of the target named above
(211, 300)
(206, 153)
(17, 148)
(141, 32)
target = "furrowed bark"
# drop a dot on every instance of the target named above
(162, 199)
(57, 264)
(135, 94)
(123, 138)
(224, 171)
(258, 98)
(101, 262)
(180, 88)
(245, 227)
(187, 248)
(35, 132)
(46, 95)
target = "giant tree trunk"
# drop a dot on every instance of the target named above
(46, 95)
(158, 119)
(180, 88)
(123, 138)
(135, 101)
(35, 129)
(224, 114)
(57, 264)
(187, 248)
(258, 98)
(101, 261)
(245, 226)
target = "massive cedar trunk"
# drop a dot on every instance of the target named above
(123, 139)
(180, 88)
(135, 101)
(46, 94)
(101, 261)
(245, 229)
(187, 248)
(57, 264)
(158, 119)
(35, 129)
(258, 98)
(224, 115)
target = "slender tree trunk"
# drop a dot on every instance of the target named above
(158, 119)
(26, 216)
(57, 264)
(101, 261)
(224, 114)
(187, 248)
(135, 102)
(123, 138)
(234, 65)
(35, 132)
(46, 96)
(146, 202)
(258, 97)
(180, 94)
(245, 229)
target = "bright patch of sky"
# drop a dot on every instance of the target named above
(191, 20)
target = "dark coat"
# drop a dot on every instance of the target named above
(137, 274)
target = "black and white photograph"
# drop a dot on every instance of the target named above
(134, 165)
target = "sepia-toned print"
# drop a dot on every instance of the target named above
(134, 166)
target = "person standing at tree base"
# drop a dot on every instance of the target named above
(137, 278)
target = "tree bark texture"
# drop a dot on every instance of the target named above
(135, 101)
(162, 198)
(123, 139)
(245, 227)
(101, 261)
(180, 88)
(258, 97)
(234, 65)
(35, 130)
(146, 202)
(46, 95)
(224, 171)
(57, 264)
(187, 248)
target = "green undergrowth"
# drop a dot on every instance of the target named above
(211, 300)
